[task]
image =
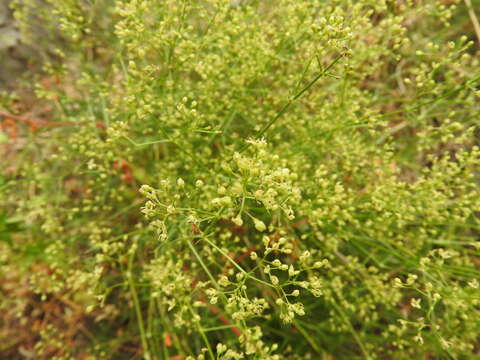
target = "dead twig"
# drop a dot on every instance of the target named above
(34, 124)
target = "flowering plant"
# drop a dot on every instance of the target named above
(249, 179)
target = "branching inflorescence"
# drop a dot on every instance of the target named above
(255, 179)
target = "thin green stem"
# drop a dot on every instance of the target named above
(202, 264)
(138, 310)
(287, 105)
(352, 329)
(234, 263)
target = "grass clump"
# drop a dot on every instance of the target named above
(244, 179)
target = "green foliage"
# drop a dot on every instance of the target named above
(257, 179)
